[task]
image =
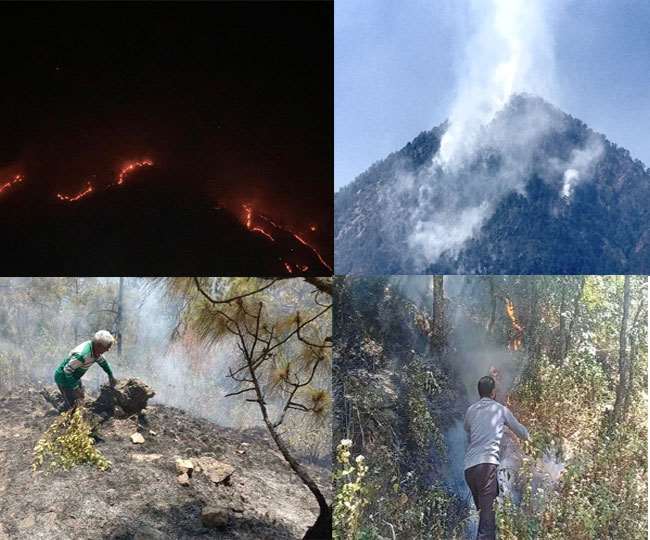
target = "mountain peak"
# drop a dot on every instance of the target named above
(436, 206)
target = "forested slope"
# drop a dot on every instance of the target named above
(569, 355)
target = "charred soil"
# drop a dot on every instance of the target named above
(141, 495)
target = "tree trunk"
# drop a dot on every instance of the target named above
(76, 303)
(119, 317)
(438, 337)
(559, 344)
(623, 359)
(493, 304)
(567, 341)
(628, 393)
(322, 528)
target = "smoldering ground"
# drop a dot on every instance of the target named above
(185, 372)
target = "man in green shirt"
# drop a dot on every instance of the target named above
(74, 366)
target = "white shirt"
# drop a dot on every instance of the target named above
(484, 421)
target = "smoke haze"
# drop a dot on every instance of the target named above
(511, 50)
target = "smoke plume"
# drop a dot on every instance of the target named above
(510, 51)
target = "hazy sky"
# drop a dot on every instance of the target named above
(398, 65)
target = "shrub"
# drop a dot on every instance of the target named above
(68, 442)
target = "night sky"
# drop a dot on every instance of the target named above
(231, 102)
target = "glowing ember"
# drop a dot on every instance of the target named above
(128, 169)
(71, 198)
(248, 216)
(288, 267)
(15, 180)
(312, 228)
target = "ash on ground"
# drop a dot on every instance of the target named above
(239, 486)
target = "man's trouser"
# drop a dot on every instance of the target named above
(71, 396)
(482, 482)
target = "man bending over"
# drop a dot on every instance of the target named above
(74, 366)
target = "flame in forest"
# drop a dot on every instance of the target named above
(72, 198)
(258, 228)
(517, 341)
(252, 223)
(248, 219)
(15, 180)
(302, 241)
(262, 231)
(130, 167)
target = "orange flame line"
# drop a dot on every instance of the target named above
(15, 180)
(248, 219)
(314, 250)
(128, 169)
(262, 231)
(80, 195)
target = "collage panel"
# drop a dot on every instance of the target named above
(492, 137)
(524, 396)
(429, 221)
(166, 138)
(208, 415)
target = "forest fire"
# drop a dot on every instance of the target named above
(256, 227)
(72, 198)
(15, 180)
(302, 241)
(516, 342)
(262, 231)
(130, 167)
(248, 219)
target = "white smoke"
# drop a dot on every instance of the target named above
(581, 165)
(431, 237)
(496, 138)
(510, 51)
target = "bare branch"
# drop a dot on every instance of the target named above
(229, 300)
(251, 389)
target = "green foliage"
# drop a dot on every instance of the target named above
(67, 443)
(351, 494)
(603, 490)
(422, 386)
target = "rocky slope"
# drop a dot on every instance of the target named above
(141, 496)
(539, 192)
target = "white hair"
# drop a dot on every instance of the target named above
(104, 338)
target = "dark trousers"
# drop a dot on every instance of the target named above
(71, 396)
(482, 482)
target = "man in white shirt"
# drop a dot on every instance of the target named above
(484, 421)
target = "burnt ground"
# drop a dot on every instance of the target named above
(140, 497)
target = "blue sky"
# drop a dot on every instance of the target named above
(398, 63)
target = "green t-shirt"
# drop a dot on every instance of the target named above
(77, 363)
